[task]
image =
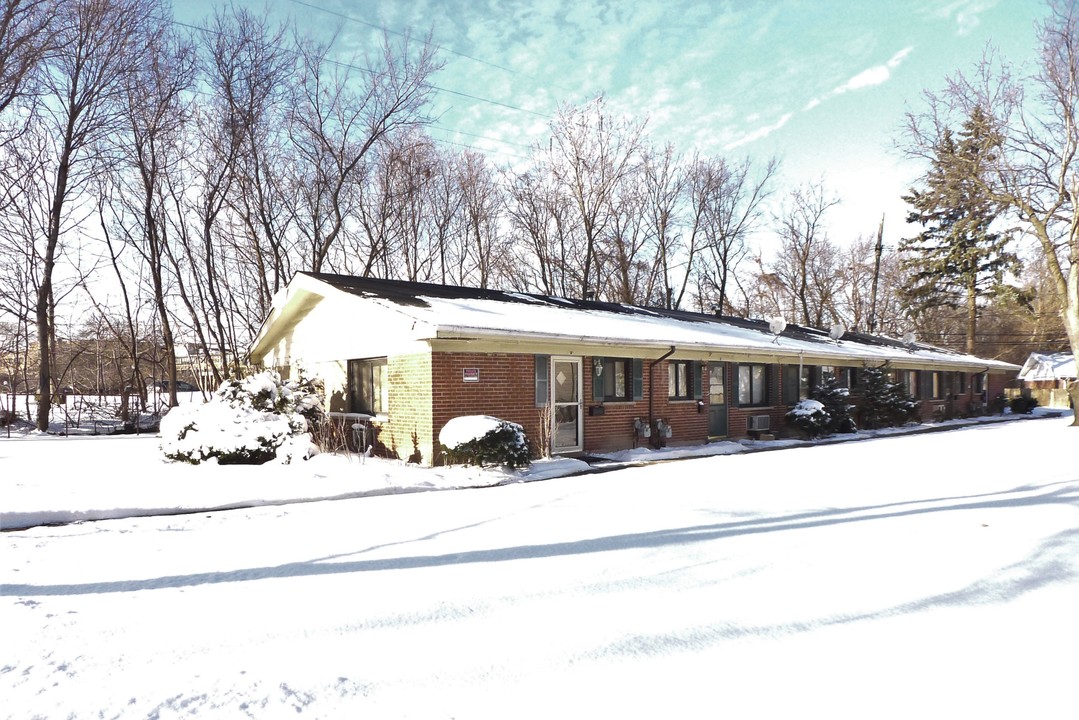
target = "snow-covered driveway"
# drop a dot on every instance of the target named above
(924, 576)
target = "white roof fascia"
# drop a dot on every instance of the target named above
(787, 347)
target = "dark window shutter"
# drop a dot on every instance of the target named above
(695, 379)
(543, 386)
(597, 380)
(790, 384)
(638, 378)
(734, 383)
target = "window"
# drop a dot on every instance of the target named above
(717, 391)
(848, 377)
(978, 381)
(752, 384)
(796, 388)
(909, 380)
(543, 380)
(683, 379)
(936, 386)
(961, 383)
(368, 389)
(612, 378)
(679, 377)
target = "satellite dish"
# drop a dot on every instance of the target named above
(908, 338)
(777, 325)
(837, 331)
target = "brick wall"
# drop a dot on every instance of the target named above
(505, 389)
(613, 430)
(408, 434)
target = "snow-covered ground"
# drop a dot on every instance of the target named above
(931, 575)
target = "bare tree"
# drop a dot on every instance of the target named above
(662, 187)
(27, 34)
(411, 166)
(157, 112)
(806, 262)
(85, 80)
(590, 153)
(481, 207)
(444, 200)
(727, 201)
(335, 125)
(1033, 177)
(539, 220)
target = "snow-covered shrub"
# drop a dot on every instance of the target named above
(810, 417)
(834, 398)
(247, 421)
(485, 440)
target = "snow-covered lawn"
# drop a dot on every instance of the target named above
(932, 575)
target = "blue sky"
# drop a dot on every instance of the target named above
(821, 85)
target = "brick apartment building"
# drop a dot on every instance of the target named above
(581, 376)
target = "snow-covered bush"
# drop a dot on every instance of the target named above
(247, 421)
(809, 417)
(834, 398)
(485, 440)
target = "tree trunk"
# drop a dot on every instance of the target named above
(972, 314)
(44, 294)
(877, 251)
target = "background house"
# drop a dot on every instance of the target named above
(1045, 377)
(579, 375)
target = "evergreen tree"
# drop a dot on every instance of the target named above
(835, 399)
(957, 258)
(886, 403)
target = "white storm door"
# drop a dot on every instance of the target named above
(567, 420)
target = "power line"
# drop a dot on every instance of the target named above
(375, 72)
(376, 26)
(400, 34)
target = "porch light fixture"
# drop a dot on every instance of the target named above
(597, 363)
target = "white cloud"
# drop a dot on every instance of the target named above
(870, 77)
(759, 133)
(965, 13)
(900, 56)
(876, 75)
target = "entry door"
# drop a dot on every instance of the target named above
(567, 418)
(717, 399)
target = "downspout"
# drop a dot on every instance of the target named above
(798, 384)
(651, 384)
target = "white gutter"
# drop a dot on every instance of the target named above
(464, 333)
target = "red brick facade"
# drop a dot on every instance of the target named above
(428, 390)
(499, 384)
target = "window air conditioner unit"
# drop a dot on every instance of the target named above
(759, 422)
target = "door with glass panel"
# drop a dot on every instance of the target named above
(566, 416)
(717, 399)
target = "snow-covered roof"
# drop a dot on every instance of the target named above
(1048, 366)
(450, 312)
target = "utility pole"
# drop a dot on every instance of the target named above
(876, 275)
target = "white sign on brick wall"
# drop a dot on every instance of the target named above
(470, 374)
